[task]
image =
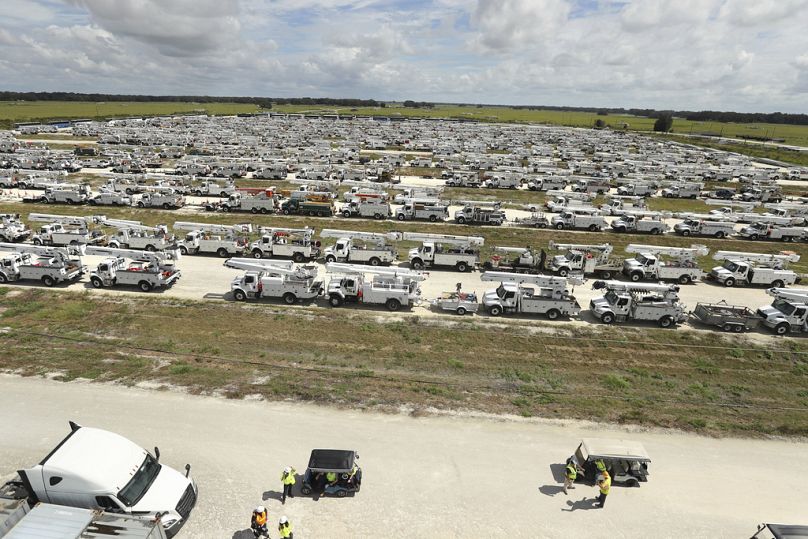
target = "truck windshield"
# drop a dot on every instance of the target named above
(611, 297)
(731, 266)
(784, 307)
(140, 482)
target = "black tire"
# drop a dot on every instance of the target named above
(727, 327)
(346, 214)
(240, 295)
(378, 216)
(753, 236)
(342, 493)
(669, 195)
(559, 226)
(375, 261)
(145, 286)
(620, 229)
(685, 233)
(3, 278)
(461, 220)
(607, 318)
(392, 304)
(166, 206)
(128, 191)
(433, 218)
(37, 241)
(718, 235)
(593, 228)
(285, 211)
(401, 217)
(222, 252)
(183, 250)
(777, 283)
(666, 322)
(47, 280)
(684, 279)
(140, 204)
(335, 301)
(729, 283)
(462, 267)
(461, 311)
(738, 328)
(151, 248)
(495, 310)
(298, 257)
(289, 298)
(330, 259)
(553, 314)
(305, 491)
(94, 203)
(606, 274)
(782, 328)
(253, 211)
(563, 272)
(258, 253)
(96, 282)
(636, 277)
(264, 211)
(656, 231)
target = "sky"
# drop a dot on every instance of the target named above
(741, 55)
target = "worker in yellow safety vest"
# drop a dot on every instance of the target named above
(285, 528)
(288, 481)
(604, 484)
(570, 475)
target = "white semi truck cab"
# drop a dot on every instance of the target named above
(94, 468)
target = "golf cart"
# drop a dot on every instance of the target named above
(339, 462)
(781, 531)
(626, 461)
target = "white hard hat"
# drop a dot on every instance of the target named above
(284, 520)
(260, 509)
(287, 470)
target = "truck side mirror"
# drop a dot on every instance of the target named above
(157, 453)
(187, 469)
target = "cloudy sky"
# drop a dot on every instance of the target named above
(745, 55)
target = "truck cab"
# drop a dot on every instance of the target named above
(93, 468)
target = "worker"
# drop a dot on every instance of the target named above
(604, 484)
(288, 481)
(285, 528)
(570, 474)
(258, 523)
(330, 479)
(542, 259)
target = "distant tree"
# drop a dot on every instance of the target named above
(603, 113)
(599, 123)
(410, 104)
(664, 122)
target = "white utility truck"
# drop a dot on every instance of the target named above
(585, 259)
(526, 260)
(622, 301)
(274, 279)
(682, 190)
(443, 250)
(295, 243)
(110, 198)
(695, 226)
(558, 200)
(424, 208)
(647, 263)
(207, 238)
(619, 204)
(165, 197)
(12, 229)
(392, 287)
(768, 231)
(579, 218)
(136, 235)
(740, 268)
(514, 295)
(65, 230)
(145, 269)
(480, 213)
(50, 265)
(788, 312)
(652, 222)
(366, 207)
(360, 247)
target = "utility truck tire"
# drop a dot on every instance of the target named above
(289, 298)
(563, 272)
(393, 304)
(305, 491)
(183, 250)
(684, 279)
(593, 228)
(560, 226)
(729, 283)
(264, 211)
(462, 267)
(166, 206)
(298, 257)
(96, 282)
(3, 278)
(496, 310)
(607, 318)
(37, 241)
(145, 286)
(778, 284)
(257, 253)
(636, 276)
(141, 205)
(461, 311)
(605, 274)
(330, 259)
(753, 236)
(285, 212)
(240, 295)
(222, 252)
(401, 217)
(378, 216)
(151, 248)
(685, 233)
(346, 213)
(47, 280)
(335, 301)
(782, 328)
(553, 314)
(417, 264)
(375, 261)
(719, 234)
(433, 218)
(253, 211)
(666, 322)
(738, 328)
(461, 220)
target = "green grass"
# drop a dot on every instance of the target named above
(644, 376)
(30, 111)
(751, 149)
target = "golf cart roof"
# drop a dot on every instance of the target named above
(614, 449)
(788, 531)
(331, 460)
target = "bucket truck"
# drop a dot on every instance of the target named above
(422, 208)
(391, 287)
(635, 188)
(110, 198)
(647, 264)
(683, 190)
(550, 297)
(623, 301)
(289, 242)
(526, 260)
(145, 269)
(558, 200)
(585, 259)
(741, 268)
(274, 279)
(65, 230)
(50, 265)
(12, 229)
(263, 201)
(161, 197)
(200, 238)
(707, 225)
(212, 188)
(358, 191)
(366, 207)
(360, 247)
(480, 213)
(620, 204)
(788, 312)
(136, 235)
(62, 194)
(797, 211)
(580, 218)
(416, 191)
(769, 231)
(460, 252)
(641, 221)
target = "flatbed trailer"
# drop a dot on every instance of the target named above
(458, 302)
(727, 317)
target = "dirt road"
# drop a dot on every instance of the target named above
(447, 476)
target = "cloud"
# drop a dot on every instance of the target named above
(505, 24)
(760, 12)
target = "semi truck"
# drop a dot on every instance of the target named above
(623, 301)
(740, 268)
(207, 238)
(788, 313)
(94, 468)
(274, 279)
(514, 295)
(295, 243)
(145, 269)
(647, 263)
(443, 250)
(360, 247)
(50, 265)
(586, 259)
(392, 287)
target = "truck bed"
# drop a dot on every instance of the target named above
(725, 316)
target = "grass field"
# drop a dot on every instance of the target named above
(753, 150)
(351, 357)
(29, 111)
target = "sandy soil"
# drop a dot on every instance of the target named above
(447, 476)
